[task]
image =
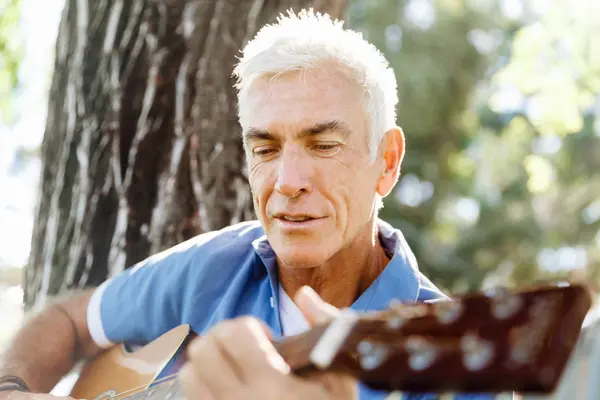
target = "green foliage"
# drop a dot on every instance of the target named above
(501, 180)
(10, 55)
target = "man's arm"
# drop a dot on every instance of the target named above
(50, 344)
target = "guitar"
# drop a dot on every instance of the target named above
(493, 342)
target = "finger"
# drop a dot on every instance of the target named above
(344, 386)
(213, 367)
(315, 310)
(193, 387)
(247, 344)
(265, 329)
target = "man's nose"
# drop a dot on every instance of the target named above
(293, 173)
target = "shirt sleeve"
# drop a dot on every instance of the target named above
(144, 301)
(183, 284)
(94, 319)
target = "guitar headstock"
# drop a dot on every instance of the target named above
(486, 342)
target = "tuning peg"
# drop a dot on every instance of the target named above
(504, 304)
(448, 312)
(477, 352)
(371, 355)
(422, 353)
(407, 310)
(496, 291)
(395, 322)
(395, 304)
(504, 307)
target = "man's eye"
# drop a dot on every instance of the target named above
(325, 146)
(262, 151)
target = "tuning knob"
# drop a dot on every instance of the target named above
(422, 353)
(504, 304)
(448, 312)
(497, 291)
(477, 352)
(504, 307)
(371, 355)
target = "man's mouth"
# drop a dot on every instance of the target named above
(296, 218)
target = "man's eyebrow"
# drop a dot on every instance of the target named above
(257, 134)
(325, 127)
(252, 134)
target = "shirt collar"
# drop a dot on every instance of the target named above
(399, 280)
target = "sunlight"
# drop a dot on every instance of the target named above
(421, 13)
(38, 28)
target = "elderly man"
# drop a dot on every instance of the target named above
(317, 110)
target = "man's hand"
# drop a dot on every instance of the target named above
(236, 359)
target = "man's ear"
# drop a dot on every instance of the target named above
(393, 154)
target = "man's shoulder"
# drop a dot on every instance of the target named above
(240, 236)
(219, 248)
(242, 233)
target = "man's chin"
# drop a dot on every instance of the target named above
(301, 251)
(301, 259)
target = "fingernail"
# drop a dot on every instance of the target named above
(307, 299)
(308, 291)
(279, 363)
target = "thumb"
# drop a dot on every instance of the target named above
(314, 308)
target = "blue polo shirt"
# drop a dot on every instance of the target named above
(225, 274)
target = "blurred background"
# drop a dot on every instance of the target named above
(500, 104)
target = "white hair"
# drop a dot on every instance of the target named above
(308, 39)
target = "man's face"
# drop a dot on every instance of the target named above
(313, 183)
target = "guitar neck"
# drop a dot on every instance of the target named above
(492, 342)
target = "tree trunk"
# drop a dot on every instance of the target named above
(141, 149)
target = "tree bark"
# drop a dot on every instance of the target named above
(141, 149)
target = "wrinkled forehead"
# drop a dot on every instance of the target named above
(302, 98)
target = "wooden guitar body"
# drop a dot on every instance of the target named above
(119, 371)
